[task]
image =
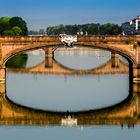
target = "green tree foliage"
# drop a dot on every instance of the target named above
(17, 30)
(18, 21)
(110, 29)
(90, 29)
(8, 33)
(13, 26)
(93, 29)
(4, 24)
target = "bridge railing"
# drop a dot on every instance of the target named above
(125, 39)
(30, 39)
(7, 39)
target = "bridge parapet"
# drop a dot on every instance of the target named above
(105, 39)
(29, 39)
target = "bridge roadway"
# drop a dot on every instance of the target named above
(124, 113)
(123, 45)
(58, 68)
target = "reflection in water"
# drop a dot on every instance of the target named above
(18, 61)
(83, 58)
(82, 96)
(125, 113)
(88, 124)
(66, 92)
(69, 133)
(35, 57)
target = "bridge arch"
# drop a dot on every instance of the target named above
(130, 59)
(28, 48)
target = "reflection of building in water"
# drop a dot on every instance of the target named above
(69, 121)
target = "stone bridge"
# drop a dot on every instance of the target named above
(124, 113)
(127, 46)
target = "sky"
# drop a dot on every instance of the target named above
(39, 14)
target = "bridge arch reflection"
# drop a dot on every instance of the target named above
(58, 68)
(124, 113)
(50, 49)
(113, 50)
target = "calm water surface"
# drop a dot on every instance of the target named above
(69, 133)
(68, 92)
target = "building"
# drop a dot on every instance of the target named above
(131, 27)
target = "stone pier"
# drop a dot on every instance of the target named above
(2, 74)
(115, 60)
(2, 80)
(136, 75)
(136, 68)
(48, 61)
(49, 55)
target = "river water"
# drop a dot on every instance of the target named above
(44, 88)
(69, 92)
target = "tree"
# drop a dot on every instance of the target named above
(18, 21)
(17, 31)
(91, 29)
(116, 30)
(4, 24)
(13, 26)
(110, 29)
(8, 33)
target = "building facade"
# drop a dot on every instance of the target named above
(131, 27)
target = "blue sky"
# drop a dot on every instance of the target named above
(43, 13)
